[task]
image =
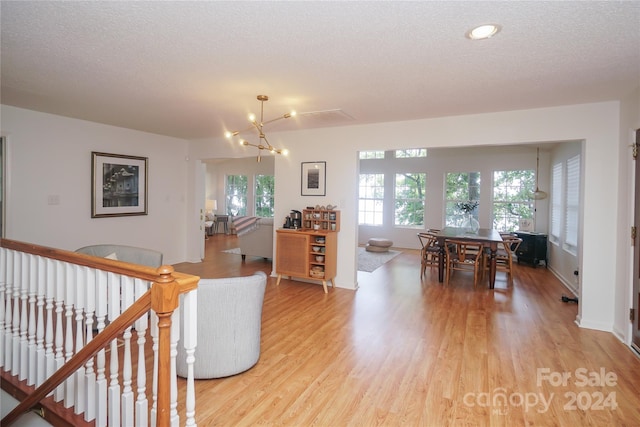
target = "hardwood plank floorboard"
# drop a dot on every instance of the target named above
(405, 350)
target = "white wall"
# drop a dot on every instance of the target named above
(629, 122)
(50, 155)
(597, 124)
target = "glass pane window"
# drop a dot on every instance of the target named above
(512, 198)
(236, 195)
(460, 187)
(372, 154)
(411, 153)
(409, 199)
(371, 199)
(265, 185)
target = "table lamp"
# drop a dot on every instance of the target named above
(211, 205)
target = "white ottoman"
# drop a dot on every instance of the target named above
(378, 244)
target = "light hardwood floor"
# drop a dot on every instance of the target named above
(406, 351)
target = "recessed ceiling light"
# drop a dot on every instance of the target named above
(483, 32)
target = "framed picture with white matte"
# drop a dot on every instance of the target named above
(314, 178)
(119, 185)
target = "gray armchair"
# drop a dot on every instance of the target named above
(140, 256)
(229, 326)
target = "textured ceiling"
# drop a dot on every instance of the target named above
(193, 69)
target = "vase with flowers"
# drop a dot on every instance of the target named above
(470, 224)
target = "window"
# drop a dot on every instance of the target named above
(409, 199)
(512, 198)
(460, 187)
(370, 199)
(572, 204)
(236, 195)
(372, 154)
(264, 195)
(412, 152)
(565, 204)
(556, 202)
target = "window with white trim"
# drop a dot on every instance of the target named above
(236, 195)
(372, 154)
(371, 199)
(265, 186)
(460, 187)
(411, 153)
(512, 198)
(409, 199)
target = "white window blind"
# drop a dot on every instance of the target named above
(556, 201)
(572, 200)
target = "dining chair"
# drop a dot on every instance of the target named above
(463, 255)
(504, 255)
(430, 251)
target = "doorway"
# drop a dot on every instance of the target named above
(2, 184)
(635, 340)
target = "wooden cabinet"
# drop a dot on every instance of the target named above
(307, 254)
(320, 220)
(533, 248)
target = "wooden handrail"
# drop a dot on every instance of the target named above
(111, 332)
(186, 281)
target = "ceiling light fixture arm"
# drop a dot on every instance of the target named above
(259, 127)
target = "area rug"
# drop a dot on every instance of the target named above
(369, 261)
(233, 251)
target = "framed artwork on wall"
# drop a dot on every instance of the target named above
(118, 185)
(314, 178)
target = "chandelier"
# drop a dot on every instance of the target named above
(263, 143)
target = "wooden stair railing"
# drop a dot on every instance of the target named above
(162, 298)
(101, 340)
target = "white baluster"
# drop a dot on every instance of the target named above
(69, 300)
(79, 385)
(41, 366)
(114, 386)
(154, 380)
(17, 287)
(113, 306)
(90, 375)
(59, 333)
(190, 341)
(48, 335)
(31, 330)
(8, 314)
(128, 291)
(142, 416)
(3, 302)
(24, 317)
(175, 336)
(102, 284)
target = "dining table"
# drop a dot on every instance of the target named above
(488, 237)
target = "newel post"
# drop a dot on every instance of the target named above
(164, 300)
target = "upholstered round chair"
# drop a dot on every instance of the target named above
(229, 325)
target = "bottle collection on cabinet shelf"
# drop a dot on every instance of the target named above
(321, 219)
